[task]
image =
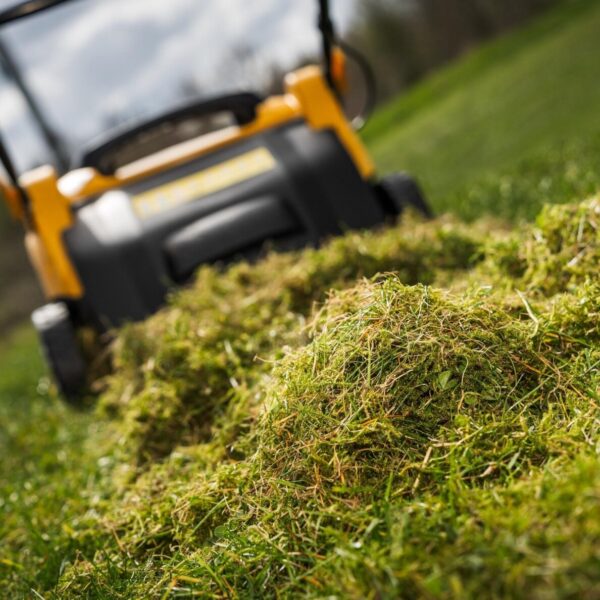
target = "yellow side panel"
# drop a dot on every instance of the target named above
(322, 111)
(51, 215)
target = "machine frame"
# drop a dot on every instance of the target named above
(43, 201)
(47, 202)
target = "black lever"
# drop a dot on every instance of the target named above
(327, 29)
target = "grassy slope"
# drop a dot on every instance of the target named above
(497, 106)
(43, 516)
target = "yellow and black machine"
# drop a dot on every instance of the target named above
(112, 226)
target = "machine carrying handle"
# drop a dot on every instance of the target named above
(243, 106)
(25, 8)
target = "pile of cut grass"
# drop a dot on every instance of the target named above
(178, 373)
(385, 437)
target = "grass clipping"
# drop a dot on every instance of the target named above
(393, 441)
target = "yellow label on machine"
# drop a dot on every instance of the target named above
(204, 183)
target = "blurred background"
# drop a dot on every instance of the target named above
(96, 64)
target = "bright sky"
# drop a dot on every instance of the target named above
(93, 59)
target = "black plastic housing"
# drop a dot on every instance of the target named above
(128, 264)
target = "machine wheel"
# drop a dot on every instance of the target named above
(399, 192)
(61, 350)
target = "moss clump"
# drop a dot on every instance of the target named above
(556, 255)
(396, 375)
(572, 321)
(181, 370)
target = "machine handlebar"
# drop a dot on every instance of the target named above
(242, 106)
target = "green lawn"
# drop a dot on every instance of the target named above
(521, 96)
(505, 503)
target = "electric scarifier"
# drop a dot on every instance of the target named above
(111, 228)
